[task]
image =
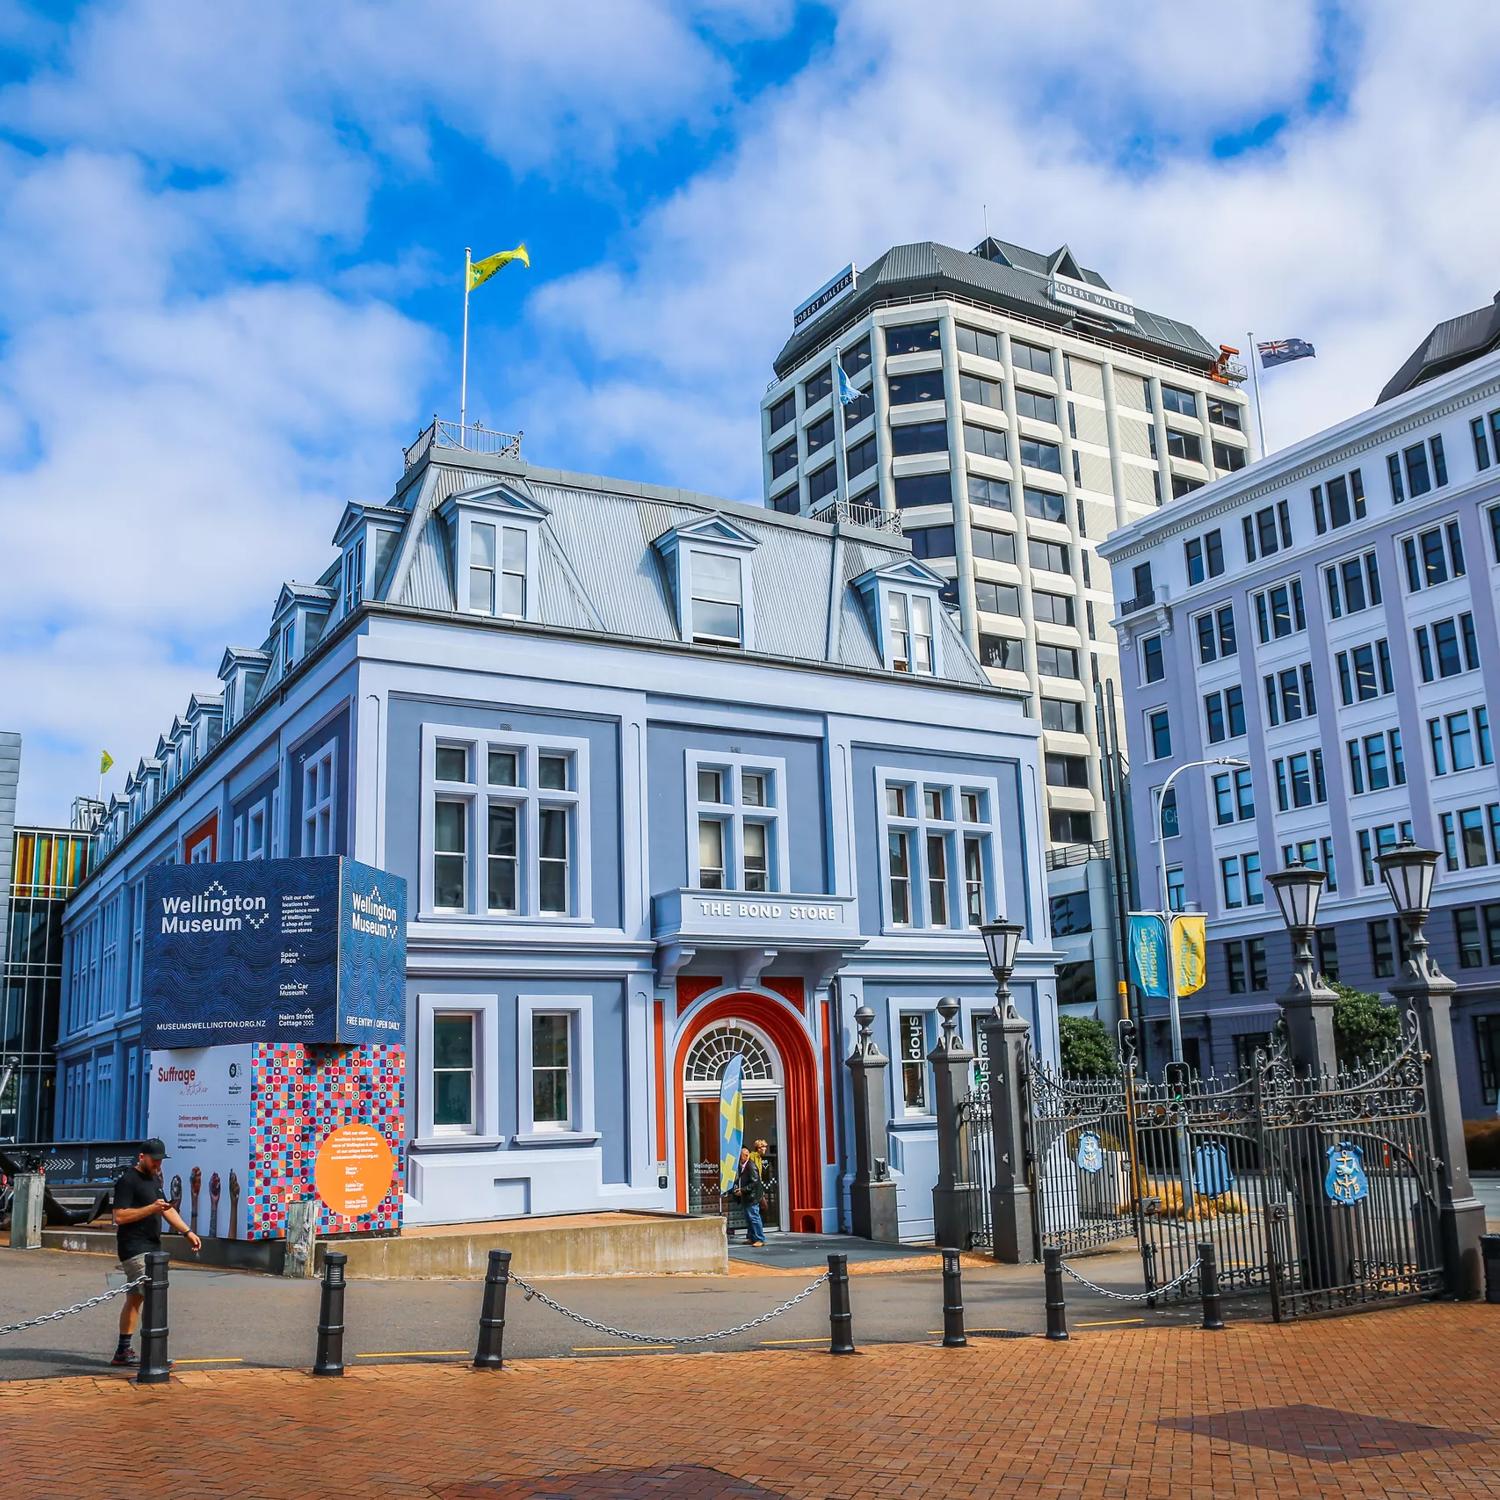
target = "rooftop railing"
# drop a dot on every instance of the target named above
(838, 512)
(1061, 856)
(474, 437)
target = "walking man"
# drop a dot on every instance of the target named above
(751, 1190)
(138, 1212)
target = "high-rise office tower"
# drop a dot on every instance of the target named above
(1010, 410)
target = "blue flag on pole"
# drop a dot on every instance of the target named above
(1148, 954)
(847, 393)
(1283, 351)
(731, 1120)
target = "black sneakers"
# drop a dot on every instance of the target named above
(126, 1356)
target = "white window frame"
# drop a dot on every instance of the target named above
(289, 643)
(734, 813)
(737, 555)
(485, 1010)
(478, 795)
(354, 574)
(954, 830)
(908, 600)
(579, 1131)
(319, 802)
(927, 1010)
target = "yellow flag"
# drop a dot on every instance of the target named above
(1190, 952)
(480, 271)
(106, 760)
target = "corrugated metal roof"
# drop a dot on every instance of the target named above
(601, 570)
(1020, 282)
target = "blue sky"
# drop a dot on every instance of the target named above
(231, 239)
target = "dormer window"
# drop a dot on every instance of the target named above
(288, 643)
(709, 569)
(910, 620)
(718, 599)
(902, 602)
(497, 570)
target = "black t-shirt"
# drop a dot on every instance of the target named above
(136, 1190)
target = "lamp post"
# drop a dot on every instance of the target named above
(1002, 941)
(1307, 1004)
(1174, 1008)
(1408, 873)
(1006, 1047)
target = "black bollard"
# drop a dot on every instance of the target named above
(490, 1355)
(1057, 1312)
(155, 1366)
(330, 1360)
(840, 1319)
(1208, 1285)
(1148, 1261)
(1489, 1254)
(953, 1302)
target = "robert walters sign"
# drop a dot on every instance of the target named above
(277, 950)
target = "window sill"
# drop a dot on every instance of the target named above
(435, 1143)
(913, 1122)
(554, 1138)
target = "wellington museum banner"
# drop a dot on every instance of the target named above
(274, 1004)
(277, 950)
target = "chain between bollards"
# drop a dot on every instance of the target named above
(1208, 1285)
(490, 1353)
(155, 1366)
(330, 1360)
(953, 1302)
(1057, 1313)
(840, 1318)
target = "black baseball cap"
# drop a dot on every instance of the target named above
(154, 1147)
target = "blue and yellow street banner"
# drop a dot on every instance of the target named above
(1148, 954)
(731, 1121)
(1190, 952)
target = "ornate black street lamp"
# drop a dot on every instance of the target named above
(1002, 940)
(1408, 873)
(1299, 889)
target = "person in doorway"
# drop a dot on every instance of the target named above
(139, 1208)
(750, 1188)
(762, 1154)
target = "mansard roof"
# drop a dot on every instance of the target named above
(595, 568)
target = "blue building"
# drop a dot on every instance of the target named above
(1327, 619)
(668, 777)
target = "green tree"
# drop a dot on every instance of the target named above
(1362, 1026)
(1085, 1047)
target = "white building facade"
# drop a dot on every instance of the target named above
(1013, 410)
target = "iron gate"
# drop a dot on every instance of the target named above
(976, 1147)
(1320, 1192)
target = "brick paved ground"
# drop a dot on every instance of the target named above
(1395, 1403)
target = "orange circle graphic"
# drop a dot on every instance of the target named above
(353, 1170)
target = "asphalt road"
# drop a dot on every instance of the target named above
(223, 1318)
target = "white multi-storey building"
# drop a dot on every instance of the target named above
(1012, 410)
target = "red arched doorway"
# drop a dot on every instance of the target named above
(772, 1017)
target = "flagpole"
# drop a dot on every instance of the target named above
(1260, 421)
(463, 379)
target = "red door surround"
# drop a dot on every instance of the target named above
(799, 1153)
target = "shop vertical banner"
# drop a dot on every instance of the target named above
(731, 1121)
(1190, 952)
(1148, 954)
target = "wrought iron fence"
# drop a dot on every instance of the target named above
(1320, 1191)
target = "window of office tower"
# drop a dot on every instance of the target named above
(912, 338)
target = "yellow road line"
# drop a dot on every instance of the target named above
(932, 1333)
(1106, 1322)
(619, 1349)
(821, 1338)
(212, 1359)
(409, 1353)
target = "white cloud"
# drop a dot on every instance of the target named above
(1363, 223)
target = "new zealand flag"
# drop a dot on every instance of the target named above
(1284, 351)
